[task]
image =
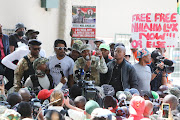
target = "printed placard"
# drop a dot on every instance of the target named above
(84, 22)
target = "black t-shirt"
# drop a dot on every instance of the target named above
(116, 80)
(14, 39)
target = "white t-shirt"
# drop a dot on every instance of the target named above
(43, 81)
(144, 76)
(55, 65)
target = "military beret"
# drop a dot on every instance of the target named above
(34, 42)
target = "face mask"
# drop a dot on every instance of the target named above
(40, 73)
(20, 33)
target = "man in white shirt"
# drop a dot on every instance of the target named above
(60, 65)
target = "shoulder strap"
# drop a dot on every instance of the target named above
(35, 81)
(28, 61)
(51, 81)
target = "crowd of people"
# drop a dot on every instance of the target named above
(81, 83)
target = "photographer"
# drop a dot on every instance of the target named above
(158, 77)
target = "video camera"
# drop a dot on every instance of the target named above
(158, 58)
(168, 64)
(88, 89)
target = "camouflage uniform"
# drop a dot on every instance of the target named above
(97, 66)
(19, 71)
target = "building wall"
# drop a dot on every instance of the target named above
(113, 16)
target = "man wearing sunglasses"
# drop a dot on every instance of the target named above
(24, 68)
(60, 65)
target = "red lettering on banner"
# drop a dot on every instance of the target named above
(142, 17)
(152, 36)
(155, 44)
(148, 19)
(165, 17)
(165, 28)
(136, 43)
(173, 17)
(175, 27)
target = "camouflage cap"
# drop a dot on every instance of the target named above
(39, 61)
(79, 42)
(85, 47)
(77, 45)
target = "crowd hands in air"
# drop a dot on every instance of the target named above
(81, 83)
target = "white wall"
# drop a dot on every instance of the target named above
(33, 16)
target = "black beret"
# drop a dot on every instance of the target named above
(34, 42)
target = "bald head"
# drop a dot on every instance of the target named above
(122, 48)
(25, 94)
(80, 102)
(148, 108)
(119, 53)
(172, 100)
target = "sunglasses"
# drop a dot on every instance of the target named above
(36, 49)
(60, 48)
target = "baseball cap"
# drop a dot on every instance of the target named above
(90, 106)
(44, 94)
(155, 95)
(77, 45)
(142, 52)
(155, 54)
(134, 91)
(137, 105)
(30, 31)
(85, 47)
(103, 45)
(19, 25)
(102, 41)
(34, 42)
(39, 61)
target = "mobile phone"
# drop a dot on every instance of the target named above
(1, 79)
(165, 110)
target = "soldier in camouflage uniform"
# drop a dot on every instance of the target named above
(25, 67)
(75, 50)
(90, 63)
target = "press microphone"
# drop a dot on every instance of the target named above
(62, 74)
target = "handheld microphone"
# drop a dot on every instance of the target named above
(87, 58)
(62, 74)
